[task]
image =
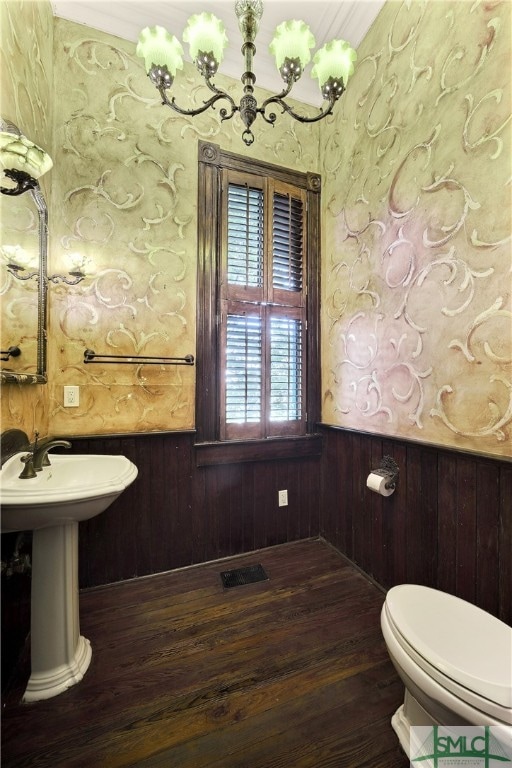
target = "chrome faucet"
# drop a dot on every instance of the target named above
(38, 456)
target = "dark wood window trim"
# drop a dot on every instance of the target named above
(212, 162)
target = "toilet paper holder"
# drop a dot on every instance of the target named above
(388, 469)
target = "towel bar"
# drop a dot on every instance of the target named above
(92, 357)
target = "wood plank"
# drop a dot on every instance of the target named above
(247, 511)
(361, 516)
(413, 492)
(293, 671)
(487, 533)
(315, 730)
(346, 509)
(504, 569)
(427, 521)
(447, 524)
(194, 523)
(378, 507)
(466, 528)
(332, 471)
(162, 473)
(396, 519)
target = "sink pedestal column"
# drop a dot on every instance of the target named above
(60, 656)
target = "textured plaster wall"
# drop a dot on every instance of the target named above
(26, 85)
(125, 201)
(416, 322)
(123, 209)
(26, 74)
(416, 167)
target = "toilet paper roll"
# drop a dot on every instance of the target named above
(377, 483)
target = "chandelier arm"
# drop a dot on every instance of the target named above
(206, 104)
(278, 96)
(271, 118)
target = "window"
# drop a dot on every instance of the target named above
(257, 345)
(262, 307)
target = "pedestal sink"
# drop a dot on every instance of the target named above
(73, 488)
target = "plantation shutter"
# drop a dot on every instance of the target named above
(245, 236)
(243, 369)
(285, 369)
(288, 242)
(262, 308)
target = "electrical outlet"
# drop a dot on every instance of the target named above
(71, 397)
(283, 498)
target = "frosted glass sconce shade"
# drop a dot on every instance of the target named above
(335, 61)
(160, 49)
(20, 154)
(292, 40)
(205, 34)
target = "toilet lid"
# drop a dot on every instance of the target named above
(460, 640)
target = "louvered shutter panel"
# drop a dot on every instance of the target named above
(243, 369)
(287, 242)
(245, 236)
(285, 369)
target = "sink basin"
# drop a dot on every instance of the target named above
(73, 488)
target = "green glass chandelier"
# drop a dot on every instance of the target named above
(291, 47)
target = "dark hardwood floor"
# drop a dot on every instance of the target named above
(287, 673)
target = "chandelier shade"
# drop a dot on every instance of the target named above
(205, 34)
(292, 40)
(335, 60)
(20, 154)
(160, 49)
(207, 40)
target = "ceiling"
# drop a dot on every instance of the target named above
(346, 19)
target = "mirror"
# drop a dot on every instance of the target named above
(23, 266)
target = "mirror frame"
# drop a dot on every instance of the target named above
(40, 375)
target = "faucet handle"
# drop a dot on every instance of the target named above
(28, 470)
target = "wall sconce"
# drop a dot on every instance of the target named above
(22, 160)
(15, 269)
(23, 181)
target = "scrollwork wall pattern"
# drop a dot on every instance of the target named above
(125, 212)
(416, 272)
(26, 80)
(125, 209)
(26, 83)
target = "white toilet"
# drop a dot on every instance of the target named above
(454, 659)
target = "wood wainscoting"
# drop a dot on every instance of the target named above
(287, 673)
(177, 513)
(448, 524)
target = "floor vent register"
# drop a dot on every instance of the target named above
(240, 576)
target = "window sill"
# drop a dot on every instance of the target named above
(271, 449)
